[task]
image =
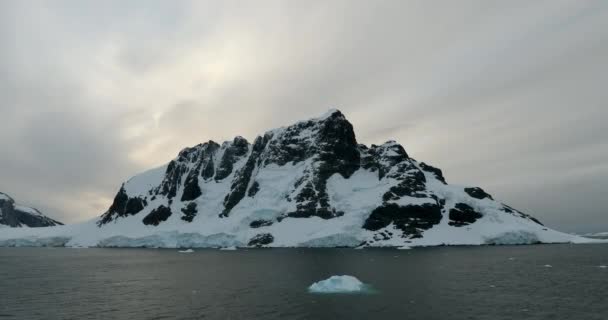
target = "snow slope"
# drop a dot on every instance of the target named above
(309, 184)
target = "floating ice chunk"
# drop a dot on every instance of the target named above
(228, 248)
(548, 266)
(186, 251)
(338, 284)
(404, 248)
(602, 267)
(511, 259)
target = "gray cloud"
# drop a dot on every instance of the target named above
(505, 95)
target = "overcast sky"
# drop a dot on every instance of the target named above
(507, 95)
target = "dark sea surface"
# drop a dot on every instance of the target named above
(503, 282)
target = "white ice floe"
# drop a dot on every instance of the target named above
(186, 251)
(338, 284)
(228, 248)
(602, 267)
(548, 266)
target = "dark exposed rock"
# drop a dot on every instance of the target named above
(382, 158)
(13, 215)
(190, 162)
(208, 169)
(173, 177)
(135, 205)
(383, 236)
(412, 219)
(237, 149)
(331, 142)
(203, 158)
(308, 210)
(462, 214)
(253, 190)
(242, 178)
(436, 171)
(186, 168)
(314, 202)
(191, 188)
(122, 206)
(189, 212)
(118, 206)
(534, 219)
(515, 212)
(158, 215)
(336, 150)
(412, 185)
(261, 240)
(260, 223)
(477, 193)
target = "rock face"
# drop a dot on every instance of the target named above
(306, 183)
(13, 215)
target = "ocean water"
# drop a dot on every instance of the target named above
(503, 282)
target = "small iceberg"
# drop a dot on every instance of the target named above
(339, 284)
(228, 248)
(548, 266)
(602, 267)
(186, 251)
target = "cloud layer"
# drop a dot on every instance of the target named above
(506, 95)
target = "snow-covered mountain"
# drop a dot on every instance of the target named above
(309, 184)
(14, 215)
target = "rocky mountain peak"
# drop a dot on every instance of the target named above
(313, 169)
(14, 215)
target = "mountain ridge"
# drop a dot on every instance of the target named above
(329, 143)
(309, 184)
(14, 215)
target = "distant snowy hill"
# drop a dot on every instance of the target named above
(309, 184)
(599, 235)
(13, 215)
